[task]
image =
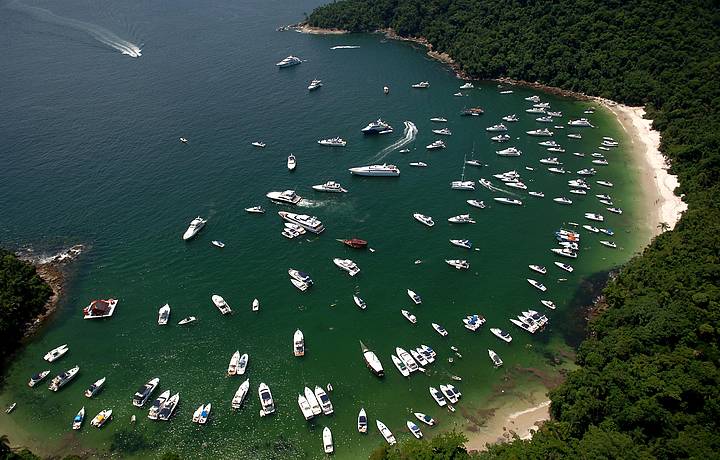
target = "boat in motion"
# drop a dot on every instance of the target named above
(310, 223)
(329, 186)
(284, 197)
(376, 170)
(143, 393)
(422, 85)
(100, 309)
(195, 226)
(359, 302)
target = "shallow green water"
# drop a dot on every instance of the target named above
(93, 158)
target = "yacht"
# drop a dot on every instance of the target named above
(604, 183)
(310, 223)
(284, 197)
(329, 186)
(458, 263)
(545, 119)
(221, 304)
(289, 62)
(242, 364)
(535, 110)
(593, 216)
(467, 85)
(141, 396)
(574, 136)
(418, 164)
(63, 378)
(315, 84)
(565, 252)
(437, 396)
(508, 201)
(579, 154)
(426, 419)
(240, 394)
(581, 122)
(255, 210)
(462, 243)
(578, 191)
(258, 144)
(549, 143)
(474, 162)
(328, 447)
(422, 84)
(94, 388)
(324, 400)
(462, 185)
(534, 99)
(37, 378)
(442, 132)
(472, 112)
(298, 343)
(385, 432)
(615, 210)
(439, 120)
(372, 361)
(333, 142)
(414, 429)
(461, 219)
(476, 203)
(451, 393)
(566, 267)
(305, 407)
(100, 309)
(538, 268)
(537, 285)
(438, 144)
(540, 132)
(500, 334)
(56, 353)
(500, 138)
(587, 172)
(511, 118)
(164, 315)
(408, 360)
(439, 329)
(509, 152)
(347, 265)
(409, 316)
(266, 400)
(102, 418)
(497, 128)
(168, 408)
(377, 127)
(291, 162)
(158, 404)
(556, 150)
(376, 170)
(497, 362)
(78, 420)
(359, 302)
(414, 297)
(423, 219)
(195, 226)
(549, 303)
(187, 320)
(537, 194)
(362, 421)
(609, 244)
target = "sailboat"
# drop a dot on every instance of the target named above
(473, 161)
(462, 184)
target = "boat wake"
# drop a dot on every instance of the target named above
(345, 47)
(492, 188)
(409, 136)
(99, 33)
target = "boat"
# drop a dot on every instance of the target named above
(255, 210)
(258, 144)
(437, 396)
(439, 329)
(422, 84)
(158, 404)
(100, 309)
(333, 142)
(409, 316)
(310, 223)
(545, 119)
(538, 268)
(347, 265)
(240, 394)
(511, 118)
(590, 228)
(382, 170)
(315, 84)
(362, 421)
(328, 447)
(458, 263)
(195, 226)
(419, 357)
(601, 162)
(426, 419)
(615, 210)
(467, 85)
(574, 136)
(609, 244)
(476, 203)
(221, 304)
(557, 170)
(242, 364)
(255, 305)
(587, 172)
(534, 99)
(535, 110)
(461, 219)
(372, 361)
(462, 243)
(418, 164)
(438, 144)
(451, 393)
(578, 191)
(330, 186)
(414, 429)
(266, 400)
(543, 105)
(442, 132)
(63, 378)
(537, 285)
(94, 388)
(377, 127)
(291, 162)
(183, 140)
(500, 334)
(500, 138)
(101, 418)
(354, 243)
(56, 353)
(385, 432)
(11, 408)
(604, 183)
(305, 407)
(555, 114)
(473, 322)
(386, 90)
(37, 378)
(204, 414)
(593, 216)
(414, 297)
(566, 267)
(607, 231)
(168, 407)
(289, 62)
(540, 132)
(504, 200)
(164, 315)
(518, 185)
(565, 252)
(472, 112)
(439, 120)
(298, 343)
(537, 194)
(312, 402)
(234, 360)
(299, 284)
(509, 152)
(581, 122)
(407, 359)
(497, 362)
(423, 219)
(187, 320)
(400, 365)
(549, 304)
(324, 400)
(143, 393)
(496, 128)
(78, 420)
(359, 302)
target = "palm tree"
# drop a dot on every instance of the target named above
(4, 446)
(663, 226)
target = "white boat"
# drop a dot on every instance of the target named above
(284, 197)
(204, 414)
(566, 267)
(423, 219)
(347, 265)
(291, 162)
(362, 421)
(509, 152)
(604, 183)
(168, 408)
(289, 62)
(534, 99)
(511, 118)
(372, 361)
(565, 252)
(240, 394)
(315, 84)
(196, 414)
(545, 119)
(500, 138)
(328, 447)
(243, 364)
(310, 223)
(78, 420)
(549, 304)
(437, 396)
(400, 365)
(258, 144)
(593, 216)
(218, 243)
(359, 302)
(451, 393)
(538, 268)
(497, 362)
(101, 418)
(458, 263)
(407, 359)
(409, 316)
(255, 306)
(382, 170)
(439, 329)
(461, 219)
(330, 186)
(500, 334)
(95, 388)
(221, 304)
(557, 170)
(467, 85)
(462, 243)
(590, 228)
(298, 343)
(473, 322)
(63, 378)
(37, 378)
(439, 120)
(422, 84)
(535, 110)
(234, 360)
(615, 210)
(414, 429)
(540, 132)
(609, 244)
(183, 140)
(385, 432)
(143, 393)
(578, 191)
(164, 315)
(418, 164)
(266, 400)
(442, 132)
(377, 127)
(333, 142)
(56, 353)
(581, 122)
(187, 320)
(504, 200)
(100, 309)
(438, 144)
(414, 297)
(256, 210)
(419, 357)
(574, 136)
(426, 419)
(537, 285)
(587, 172)
(312, 402)
(305, 407)
(537, 194)
(158, 404)
(476, 203)
(324, 400)
(496, 128)
(518, 185)
(195, 226)
(607, 231)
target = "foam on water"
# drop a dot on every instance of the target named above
(408, 136)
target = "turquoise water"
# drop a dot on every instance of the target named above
(91, 156)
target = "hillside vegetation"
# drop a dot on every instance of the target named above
(648, 385)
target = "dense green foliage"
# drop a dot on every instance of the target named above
(648, 385)
(446, 446)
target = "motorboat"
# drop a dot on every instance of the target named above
(291, 162)
(462, 185)
(473, 162)
(328, 447)
(540, 132)
(372, 361)
(255, 210)
(347, 265)
(565, 252)
(312, 401)
(298, 343)
(240, 394)
(495, 358)
(543, 105)
(95, 388)
(604, 183)
(78, 420)
(471, 112)
(309, 223)
(258, 144)
(242, 364)
(409, 316)
(504, 200)
(385, 432)
(556, 150)
(422, 84)
(426, 419)
(315, 84)
(324, 400)
(566, 267)
(158, 404)
(439, 120)
(414, 297)
(168, 408)
(545, 119)
(518, 185)
(534, 99)
(500, 334)
(234, 360)
(143, 393)
(615, 210)
(458, 263)
(500, 138)
(218, 244)
(537, 285)
(204, 414)
(100, 309)
(467, 85)
(450, 393)
(407, 359)
(289, 62)
(511, 118)
(418, 164)
(63, 378)
(333, 142)
(164, 315)
(37, 378)
(496, 128)
(419, 357)
(362, 421)
(195, 226)
(557, 170)
(607, 231)
(439, 329)
(437, 396)
(581, 122)
(221, 304)
(386, 90)
(355, 243)
(535, 110)
(101, 418)
(593, 216)
(538, 268)
(537, 194)
(578, 191)
(359, 302)
(183, 140)
(305, 407)
(476, 203)
(414, 429)
(442, 132)
(509, 152)
(438, 144)
(382, 170)
(467, 244)
(56, 353)
(587, 172)
(574, 136)
(187, 320)
(549, 304)
(300, 285)
(461, 219)
(473, 322)
(601, 162)
(549, 143)
(266, 400)
(329, 186)
(609, 244)
(423, 219)
(377, 127)
(591, 228)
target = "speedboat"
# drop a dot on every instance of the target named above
(37, 378)
(414, 429)
(534, 99)
(102, 418)
(240, 394)
(63, 378)
(462, 185)
(476, 163)
(408, 360)
(442, 132)
(458, 263)
(221, 304)
(409, 316)
(164, 315)
(291, 162)
(500, 334)
(100, 309)
(347, 265)
(557, 170)
(362, 421)
(218, 243)
(266, 400)
(195, 226)
(372, 361)
(497, 128)
(565, 252)
(504, 200)
(183, 140)
(590, 228)
(536, 284)
(601, 162)
(476, 203)
(593, 216)
(581, 122)
(359, 302)
(310, 223)
(549, 304)
(439, 120)
(255, 210)
(462, 243)
(258, 144)
(423, 219)
(333, 142)
(385, 432)
(324, 400)
(312, 401)
(518, 185)
(587, 172)
(500, 138)
(604, 183)
(545, 119)
(422, 84)
(461, 219)
(439, 329)
(537, 194)
(78, 420)
(56, 353)
(426, 419)
(419, 357)
(315, 84)
(418, 164)
(467, 85)
(574, 136)
(158, 404)
(94, 388)
(450, 393)
(609, 244)
(414, 296)
(187, 320)
(328, 447)
(329, 186)
(511, 118)
(242, 364)
(298, 343)
(549, 143)
(289, 62)
(538, 268)
(535, 110)
(141, 396)
(509, 152)
(377, 127)
(376, 170)
(305, 407)
(437, 396)
(578, 191)
(497, 362)
(232, 367)
(168, 408)
(299, 284)
(607, 231)
(540, 132)
(566, 267)
(615, 210)
(438, 144)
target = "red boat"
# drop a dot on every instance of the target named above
(355, 243)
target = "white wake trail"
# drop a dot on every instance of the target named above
(408, 136)
(99, 33)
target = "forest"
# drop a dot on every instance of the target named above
(648, 384)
